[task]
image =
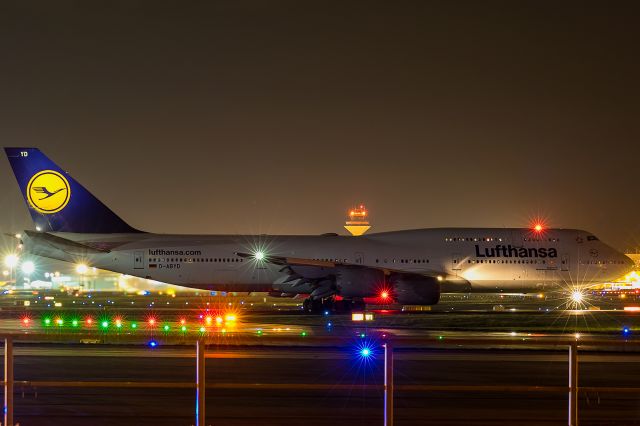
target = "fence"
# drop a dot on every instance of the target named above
(200, 385)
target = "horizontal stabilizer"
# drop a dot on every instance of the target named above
(63, 244)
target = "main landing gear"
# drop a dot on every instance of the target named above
(329, 304)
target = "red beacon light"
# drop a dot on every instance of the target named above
(384, 295)
(183, 321)
(26, 321)
(538, 227)
(151, 321)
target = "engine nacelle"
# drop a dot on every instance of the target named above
(413, 289)
(358, 282)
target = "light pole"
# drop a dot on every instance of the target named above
(27, 268)
(82, 269)
(11, 261)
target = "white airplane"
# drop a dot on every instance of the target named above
(410, 267)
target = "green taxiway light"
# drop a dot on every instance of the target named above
(183, 328)
(74, 323)
(104, 324)
(134, 325)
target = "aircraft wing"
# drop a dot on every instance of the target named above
(304, 262)
(320, 278)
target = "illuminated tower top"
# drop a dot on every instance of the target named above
(357, 222)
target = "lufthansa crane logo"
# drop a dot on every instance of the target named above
(48, 192)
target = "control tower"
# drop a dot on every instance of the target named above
(357, 222)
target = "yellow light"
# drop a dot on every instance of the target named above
(357, 316)
(230, 318)
(11, 260)
(81, 268)
(219, 320)
(577, 296)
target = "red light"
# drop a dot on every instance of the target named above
(26, 321)
(89, 321)
(538, 228)
(384, 295)
(152, 321)
(183, 321)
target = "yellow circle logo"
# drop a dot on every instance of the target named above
(48, 191)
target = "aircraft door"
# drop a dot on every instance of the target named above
(359, 258)
(564, 262)
(456, 262)
(138, 260)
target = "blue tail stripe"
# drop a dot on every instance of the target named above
(75, 209)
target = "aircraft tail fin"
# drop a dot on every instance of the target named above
(56, 201)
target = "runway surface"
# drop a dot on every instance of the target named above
(341, 401)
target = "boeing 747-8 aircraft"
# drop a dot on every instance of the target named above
(412, 266)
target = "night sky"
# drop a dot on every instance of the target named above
(277, 116)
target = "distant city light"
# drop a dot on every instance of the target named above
(11, 260)
(81, 268)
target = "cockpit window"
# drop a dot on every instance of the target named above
(591, 238)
